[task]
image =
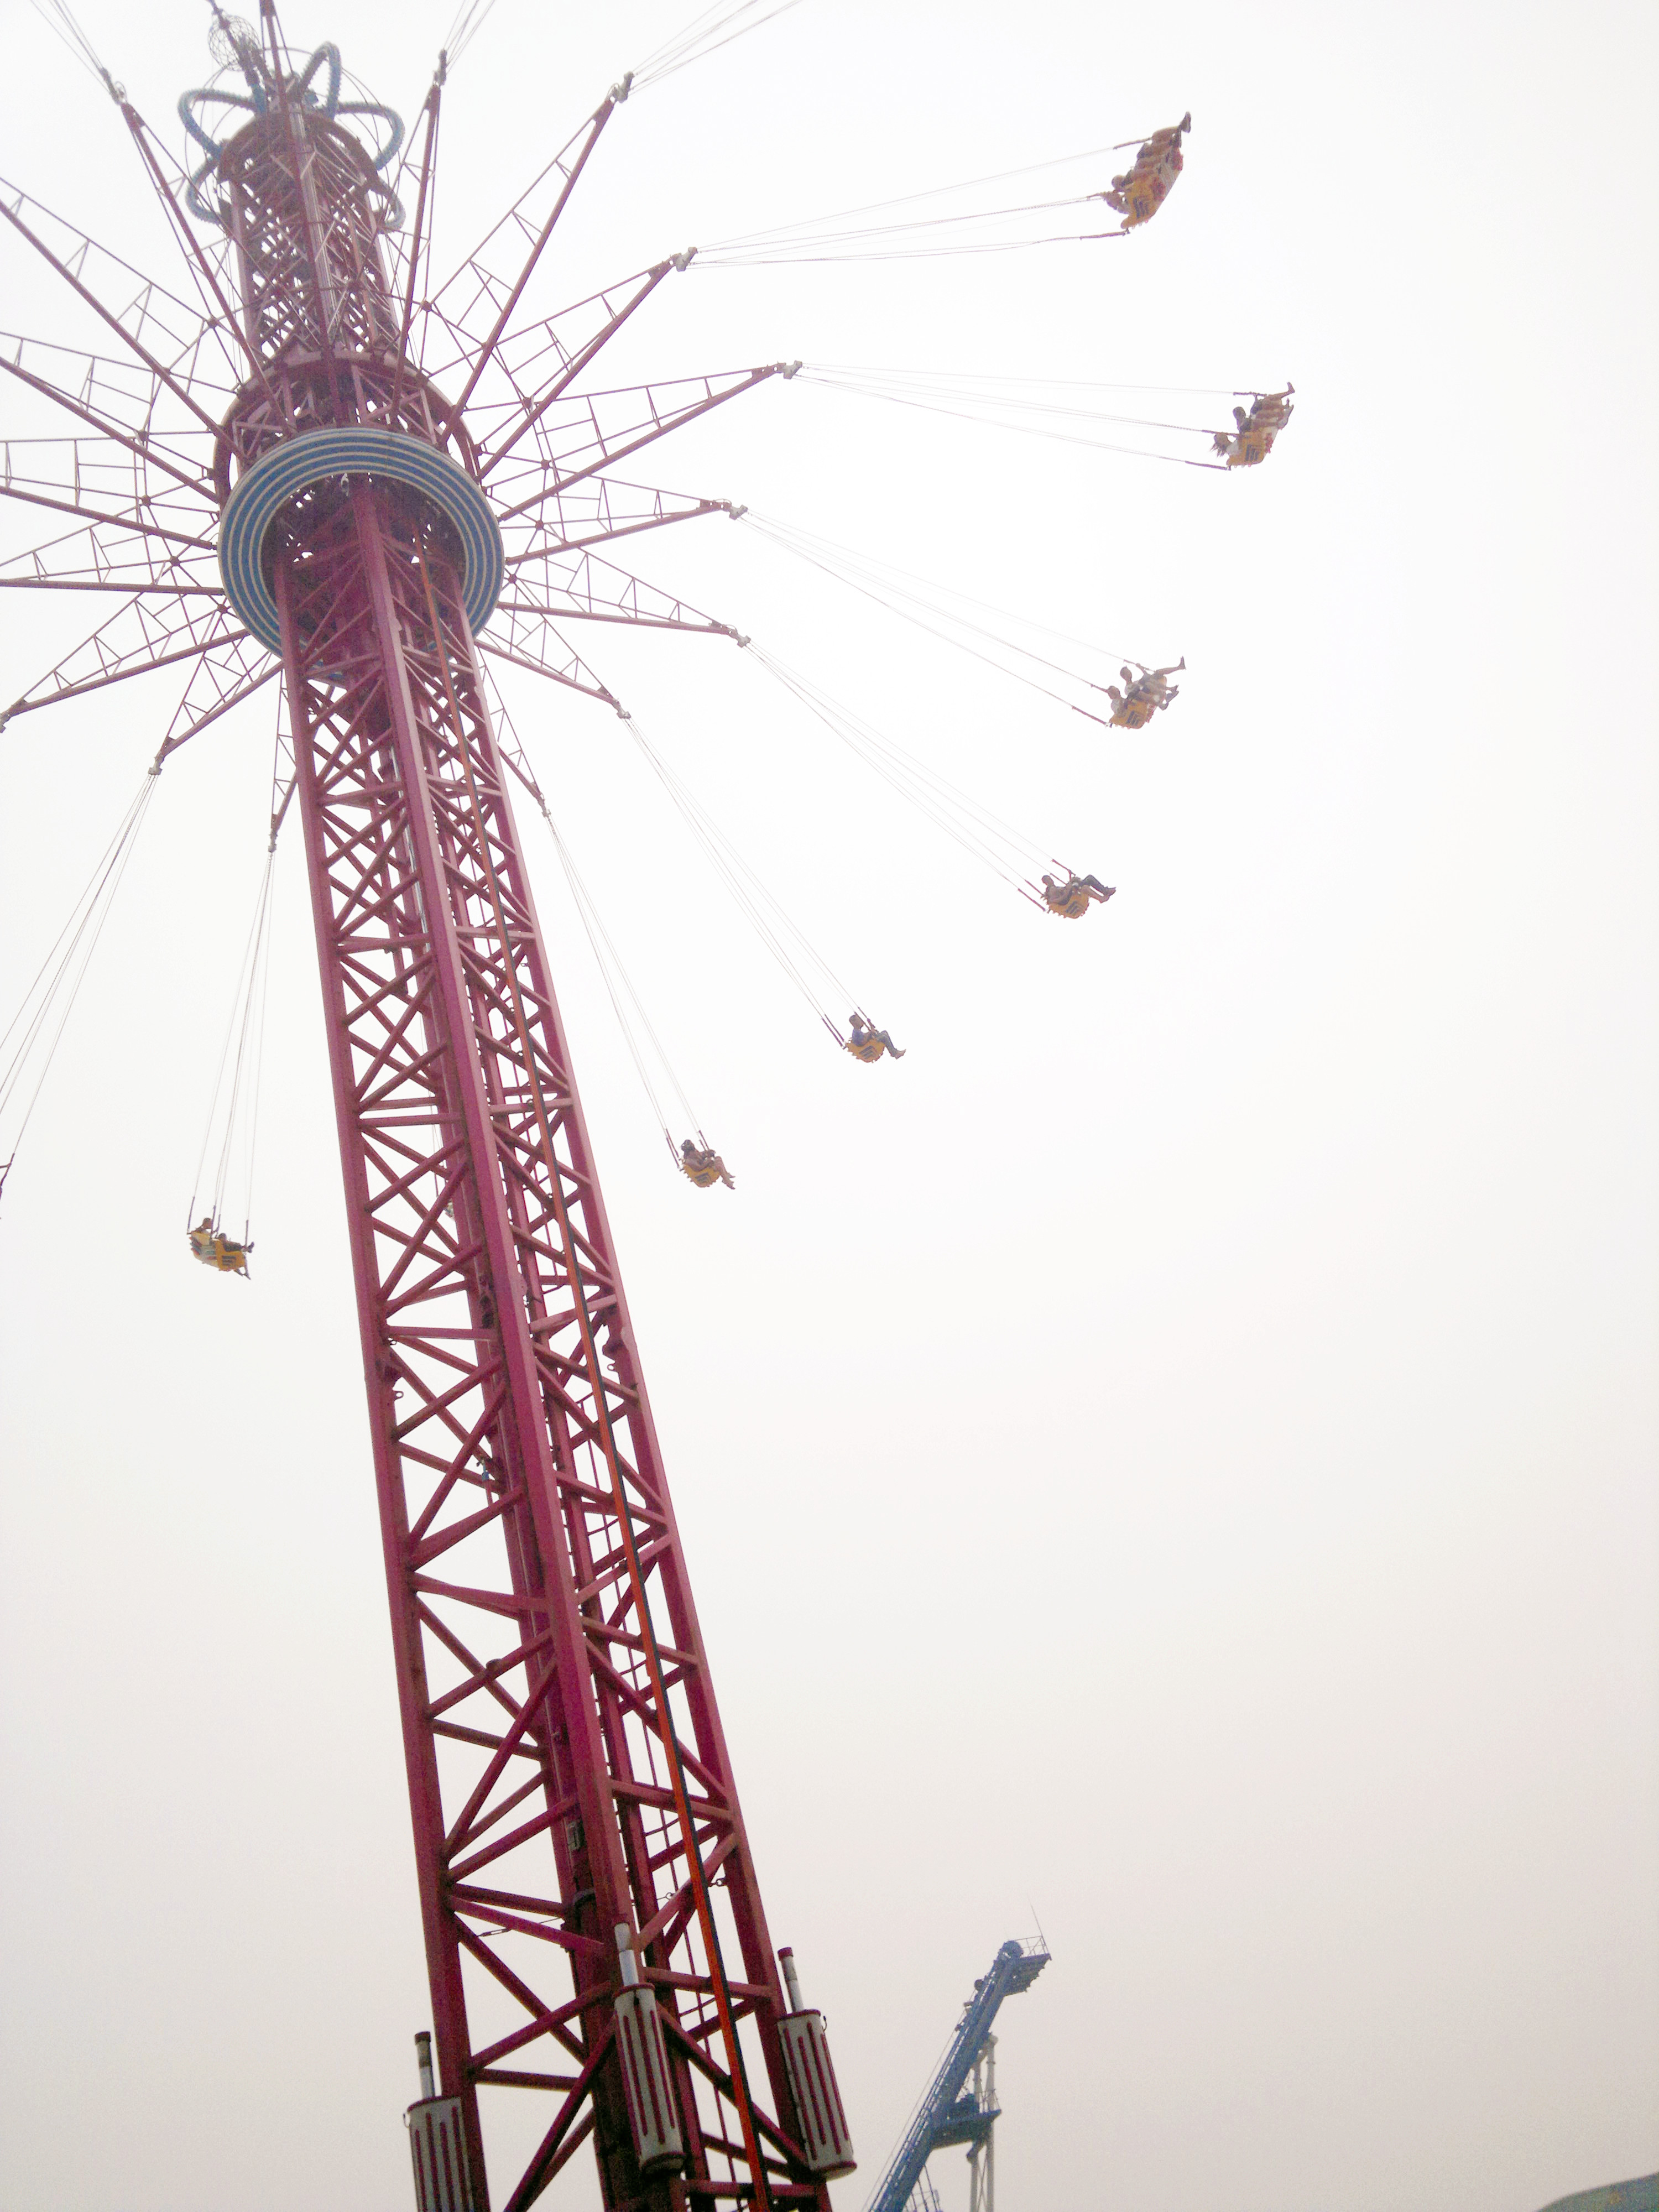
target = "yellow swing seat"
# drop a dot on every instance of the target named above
(1148, 184)
(216, 1250)
(1072, 904)
(1250, 449)
(871, 1050)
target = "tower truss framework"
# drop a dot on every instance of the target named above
(593, 1928)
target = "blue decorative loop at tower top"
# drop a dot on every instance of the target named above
(300, 87)
(392, 457)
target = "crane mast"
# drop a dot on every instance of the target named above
(951, 2112)
(593, 1928)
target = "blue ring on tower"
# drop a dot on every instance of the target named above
(352, 451)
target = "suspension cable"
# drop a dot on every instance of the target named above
(962, 379)
(996, 844)
(924, 238)
(246, 1030)
(966, 405)
(470, 18)
(41, 1018)
(886, 580)
(794, 952)
(909, 199)
(613, 972)
(843, 235)
(874, 580)
(619, 985)
(57, 17)
(705, 34)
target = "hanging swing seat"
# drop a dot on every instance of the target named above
(215, 1249)
(1253, 440)
(1138, 194)
(1141, 701)
(706, 1169)
(1071, 902)
(1248, 450)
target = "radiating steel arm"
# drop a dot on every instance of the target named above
(123, 388)
(154, 157)
(572, 672)
(146, 449)
(158, 590)
(580, 585)
(163, 375)
(222, 677)
(593, 446)
(137, 637)
(106, 558)
(417, 235)
(571, 364)
(619, 510)
(584, 141)
(27, 495)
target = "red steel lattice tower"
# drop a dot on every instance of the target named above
(593, 1925)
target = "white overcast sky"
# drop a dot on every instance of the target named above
(1172, 1459)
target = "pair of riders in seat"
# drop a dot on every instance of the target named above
(1143, 695)
(1250, 445)
(1138, 193)
(1072, 899)
(215, 1249)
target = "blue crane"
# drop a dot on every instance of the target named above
(953, 2111)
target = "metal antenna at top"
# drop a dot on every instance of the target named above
(235, 44)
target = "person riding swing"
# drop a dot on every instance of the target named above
(1071, 900)
(868, 1045)
(215, 1249)
(1253, 439)
(1145, 694)
(703, 1165)
(1138, 193)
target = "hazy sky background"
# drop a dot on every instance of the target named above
(1172, 1458)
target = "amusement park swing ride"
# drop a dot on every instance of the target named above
(330, 472)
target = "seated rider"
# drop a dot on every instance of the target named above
(1161, 150)
(867, 1043)
(1074, 899)
(214, 1250)
(1147, 693)
(1252, 441)
(704, 1166)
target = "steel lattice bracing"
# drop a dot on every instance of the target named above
(513, 1438)
(567, 1773)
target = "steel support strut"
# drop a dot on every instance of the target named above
(566, 1767)
(567, 1774)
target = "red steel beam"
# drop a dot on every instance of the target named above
(538, 1591)
(595, 123)
(566, 1767)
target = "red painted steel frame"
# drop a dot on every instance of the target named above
(567, 1768)
(540, 1774)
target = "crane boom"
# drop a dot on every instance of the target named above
(1014, 1969)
